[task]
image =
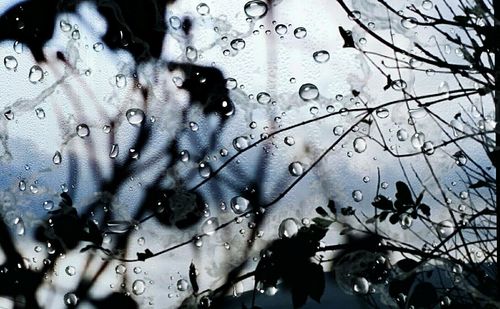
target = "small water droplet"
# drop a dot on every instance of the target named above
(193, 126)
(281, 29)
(238, 44)
(417, 140)
(98, 47)
(82, 130)
(308, 92)
(9, 114)
(135, 116)
(300, 32)
(239, 204)
(296, 168)
(210, 226)
(241, 143)
(120, 81)
(10, 63)
(65, 25)
(36, 74)
(120, 269)
(255, 9)
(139, 287)
(357, 195)
(48, 205)
(203, 9)
(191, 54)
(289, 140)
(445, 228)
(359, 144)
(115, 150)
(263, 98)
(75, 35)
(182, 285)
(409, 22)
(399, 85)
(70, 270)
(57, 158)
(402, 135)
(40, 113)
(321, 56)
(288, 228)
(19, 223)
(382, 113)
(70, 299)
(204, 169)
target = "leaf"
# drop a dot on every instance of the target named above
(142, 256)
(479, 184)
(403, 193)
(321, 211)
(331, 206)
(423, 295)
(192, 277)
(382, 202)
(425, 209)
(347, 36)
(394, 218)
(322, 222)
(316, 282)
(419, 198)
(389, 82)
(407, 264)
(383, 215)
(371, 220)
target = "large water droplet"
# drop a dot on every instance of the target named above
(70, 299)
(255, 9)
(289, 140)
(19, 223)
(135, 116)
(40, 113)
(139, 287)
(357, 195)
(281, 29)
(203, 9)
(321, 56)
(82, 130)
(263, 98)
(308, 92)
(239, 204)
(238, 44)
(241, 143)
(36, 74)
(10, 62)
(361, 285)
(417, 140)
(120, 269)
(445, 228)
(296, 168)
(70, 270)
(359, 144)
(204, 169)
(409, 22)
(65, 25)
(191, 53)
(300, 32)
(120, 81)
(182, 285)
(402, 135)
(288, 228)
(9, 114)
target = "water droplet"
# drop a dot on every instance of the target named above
(288, 228)
(428, 148)
(65, 25)
(18, 47)
(263, 98)
(417, 140)
(321, 56)
(120, 269)
(193, 126)
(135, 116)
(70, 270)
(82, 130)
(399, 85)
(402, 135)
(239, 204)
(139, 287)
(231, 83)
(141, 241)
(445, 228)
(9, 114)
(115, 150)
(175, 22)
(22, 185)
(238, 289)
(203, 9)
(19, 223)
(98, 47)
(120, 81)
(75, 35)
(36, 74)
(70, 299)
(357, 195)
(427, 5)
(366, 179)
(289, 140)
(48, 205)
(40, 113)
(191, 54)
(300, 32)
(359, 144)
(308, 92)
(409, 22)
(354, 15)
(360, 285)
(10, 63)
(406, 221)
(238, 44)
(281, 29)
(210, 226)
(204, 169)
(182, 285)
(57, 158)
(241, 143)
(34, 189)
(296, 168)
(255, 9)
(382, 113)
(184, 156)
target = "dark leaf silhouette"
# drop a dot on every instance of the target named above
(192, 277)
(347, 36)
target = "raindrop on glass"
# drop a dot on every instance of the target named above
(308, 92)
(321, 56)
(36, 74)
(255, 9)
(10, 62)
(82, 130)
(296, 168)
(135, 116)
